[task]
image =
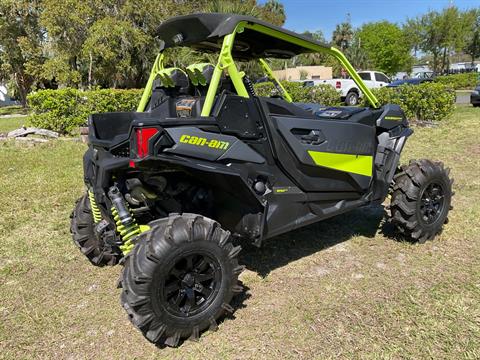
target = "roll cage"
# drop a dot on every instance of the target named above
(219, 32)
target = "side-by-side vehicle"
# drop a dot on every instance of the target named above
(204, 161)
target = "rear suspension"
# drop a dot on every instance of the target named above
(126, 224)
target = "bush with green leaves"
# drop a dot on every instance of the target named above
(320, 94)
(64, 110)
(424, 102)
(466, 81)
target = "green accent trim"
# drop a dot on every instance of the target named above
(147, 92)
(225, 62)
(316, 48)
(356, 164)
(272, 77)
(195, 73)
(393, 118)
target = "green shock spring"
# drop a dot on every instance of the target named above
(97, 215)
(127, 232)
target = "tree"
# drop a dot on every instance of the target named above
(273, 12)
(342, 35)
(67, 23)
(472, 43)
(386, 47)
(112, 47)
(357, 55)
(440, 33)
(21, 40)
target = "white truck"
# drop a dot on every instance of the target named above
(349, 90)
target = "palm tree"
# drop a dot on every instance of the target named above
(274, 12)
(343, 35)
(357, 55)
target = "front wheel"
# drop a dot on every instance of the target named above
(421, 199)
(180, 278)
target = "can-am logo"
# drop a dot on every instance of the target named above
(201, 141)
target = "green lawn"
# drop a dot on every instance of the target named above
(337, 289)
(9, 124)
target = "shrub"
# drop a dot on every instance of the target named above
(320, 94)
(65, 110)
(425, 102)
(466, 81)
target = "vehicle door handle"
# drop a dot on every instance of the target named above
(313, 138)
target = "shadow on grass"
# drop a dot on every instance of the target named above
(281, 250)
(238, 302)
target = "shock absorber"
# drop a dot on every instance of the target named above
(97, 215)
(249, 85)
(126, 225)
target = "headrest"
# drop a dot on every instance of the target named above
(200, 74)
(173, 78)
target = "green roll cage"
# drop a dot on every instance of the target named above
(226, 63)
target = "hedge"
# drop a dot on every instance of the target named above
(466, 81)
(65, 110)
(321, 94)
(424, 102)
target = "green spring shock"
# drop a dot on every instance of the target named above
(127, 231)
(97, 215)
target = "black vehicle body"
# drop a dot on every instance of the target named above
(266, 169)
(475, 97)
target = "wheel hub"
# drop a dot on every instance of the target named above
(432, 203)
(190, 284)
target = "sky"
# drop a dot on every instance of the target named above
(325, 14)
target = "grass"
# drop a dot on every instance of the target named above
(337, 289)
(13, 109)
(9, 124)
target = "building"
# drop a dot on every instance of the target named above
(305, 72)
(464, 66)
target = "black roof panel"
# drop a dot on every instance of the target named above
(205, 32)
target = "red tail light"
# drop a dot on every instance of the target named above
(143, 137)
(338, 85)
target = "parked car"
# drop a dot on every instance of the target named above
(349, 90)
(475, 96)
(417, 79)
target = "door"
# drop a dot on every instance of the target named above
(332, 152)
(381, 79)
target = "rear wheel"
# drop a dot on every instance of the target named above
(82, 228)
(180, 278)
(351, 99)
(421, 199)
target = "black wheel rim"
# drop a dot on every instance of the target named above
(192, 284)
(432, 203)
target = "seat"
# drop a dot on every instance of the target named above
(170, 83)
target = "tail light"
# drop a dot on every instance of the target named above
(143, 136)
(338, 85)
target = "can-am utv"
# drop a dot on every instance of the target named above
(204, 160)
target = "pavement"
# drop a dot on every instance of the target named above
(463, 97)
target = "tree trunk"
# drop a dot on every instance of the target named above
(90, 71)
(444, 60)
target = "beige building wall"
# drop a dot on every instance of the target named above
(313, 73)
